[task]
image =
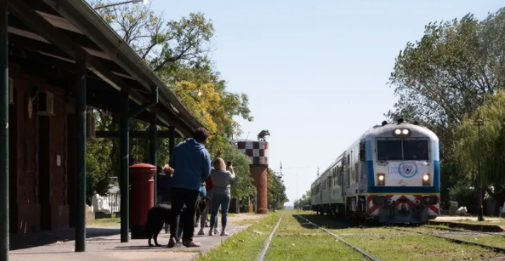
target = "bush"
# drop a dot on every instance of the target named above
(462, 193)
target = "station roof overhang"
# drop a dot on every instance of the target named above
(54, 32)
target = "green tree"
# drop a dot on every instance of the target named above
(446, 76)
(177, 50)
(304, 200)
(276, 190)
(492, 140)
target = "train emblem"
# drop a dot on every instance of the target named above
(407, 170)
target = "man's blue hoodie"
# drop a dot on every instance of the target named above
(191, 163)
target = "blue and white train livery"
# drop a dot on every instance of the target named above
(391, 174)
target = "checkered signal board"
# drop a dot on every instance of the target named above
(257, 151)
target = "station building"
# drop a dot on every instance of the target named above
(62, 59)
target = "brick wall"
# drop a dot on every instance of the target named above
(26, 209)
(259, 174)
(58, 161)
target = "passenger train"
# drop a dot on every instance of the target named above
(391, 174)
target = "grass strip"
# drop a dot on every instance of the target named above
(387, 243)
(490, 240)
(104, 222)
(293, 241)
(245, 245)
(418, 248)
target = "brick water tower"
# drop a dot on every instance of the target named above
(257, 151)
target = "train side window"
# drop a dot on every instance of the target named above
(362, 151)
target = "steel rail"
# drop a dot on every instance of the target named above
(342, 240)
(267, 242)
(459, 241)
(468, 231)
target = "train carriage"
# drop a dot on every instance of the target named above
(390, 174)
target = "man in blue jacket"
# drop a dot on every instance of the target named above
(191, 163)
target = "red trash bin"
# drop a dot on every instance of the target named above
(141, 197)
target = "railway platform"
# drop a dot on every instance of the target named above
(464, 218)
(101, 245)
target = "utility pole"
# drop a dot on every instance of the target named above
(297, 185)
(480, 208)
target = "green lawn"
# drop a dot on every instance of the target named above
(294, 241)
(389, 243)
(104, 222)
(245, 245)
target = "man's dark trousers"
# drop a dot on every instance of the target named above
(181, 197)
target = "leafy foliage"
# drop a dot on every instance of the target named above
(276, 190)
(304, 200)
(462, 193)
(492, 142)
(447, 74)
(177, 50)
(445, 77)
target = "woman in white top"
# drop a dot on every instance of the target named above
(221, 178)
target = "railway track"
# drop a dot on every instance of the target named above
(467, 232)
(367, 255)
(269, 239)
(458, 241)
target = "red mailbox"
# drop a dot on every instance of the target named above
(141, 196)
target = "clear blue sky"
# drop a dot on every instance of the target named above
(316, 72)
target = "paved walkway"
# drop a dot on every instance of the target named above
(108, 247)
(459, 218)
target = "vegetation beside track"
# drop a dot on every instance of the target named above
(104, 222)
(296, 239)
(389, 243)
(245, 245)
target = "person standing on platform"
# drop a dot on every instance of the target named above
(221, 195)
(191, 163)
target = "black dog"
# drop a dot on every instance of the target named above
(160, 214)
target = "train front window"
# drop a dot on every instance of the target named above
(389, 150)
(402, 150)
(415, 150)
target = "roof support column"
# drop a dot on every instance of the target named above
(80, 153)
(171, 141)
(125, 169)
(4, 134)
(153, 144)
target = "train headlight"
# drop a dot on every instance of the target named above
(426, 179)
(402, 132)
(381, 178)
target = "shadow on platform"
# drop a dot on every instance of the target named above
(22, 241)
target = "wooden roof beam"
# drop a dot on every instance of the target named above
(51, 34)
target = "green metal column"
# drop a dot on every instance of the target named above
(153, 144)
(80, 154)
(171, 141)
(4, 134)
(125, 168)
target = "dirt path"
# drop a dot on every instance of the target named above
(245, 217)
